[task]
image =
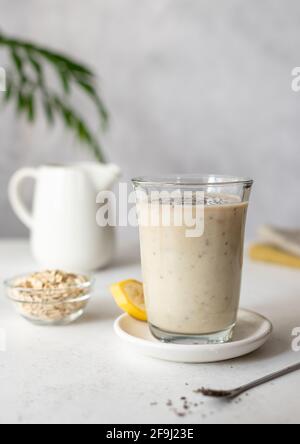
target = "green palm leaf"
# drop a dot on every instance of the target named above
(28, 86)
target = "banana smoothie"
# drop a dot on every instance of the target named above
(192, 284)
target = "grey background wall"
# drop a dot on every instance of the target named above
(192, 86)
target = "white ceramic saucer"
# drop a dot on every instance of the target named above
(252, 331)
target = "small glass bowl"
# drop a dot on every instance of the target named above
(59, 306)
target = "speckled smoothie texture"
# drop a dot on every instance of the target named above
(192, 285)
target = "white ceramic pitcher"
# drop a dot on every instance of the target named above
(64, 231)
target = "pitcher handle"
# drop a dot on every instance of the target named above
(15, 196)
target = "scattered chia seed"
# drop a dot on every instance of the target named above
(178, 413)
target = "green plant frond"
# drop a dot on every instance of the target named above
(65, 81)
(75, 123)
(48, 110)
(9, 90)
(17, 61)
(29, 86)
(91, 91)
(30, 108)
(37, 68)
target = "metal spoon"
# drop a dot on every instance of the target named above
(230, 394)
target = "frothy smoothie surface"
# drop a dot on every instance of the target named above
(192, 284)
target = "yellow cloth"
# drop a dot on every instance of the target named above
(269, 253)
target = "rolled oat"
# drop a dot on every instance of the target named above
(50, 296)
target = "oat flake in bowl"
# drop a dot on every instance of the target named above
(50, 297)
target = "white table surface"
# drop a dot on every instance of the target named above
(82, 374)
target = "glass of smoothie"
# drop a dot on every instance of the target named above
(192, 241)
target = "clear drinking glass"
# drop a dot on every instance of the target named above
(192, 240)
